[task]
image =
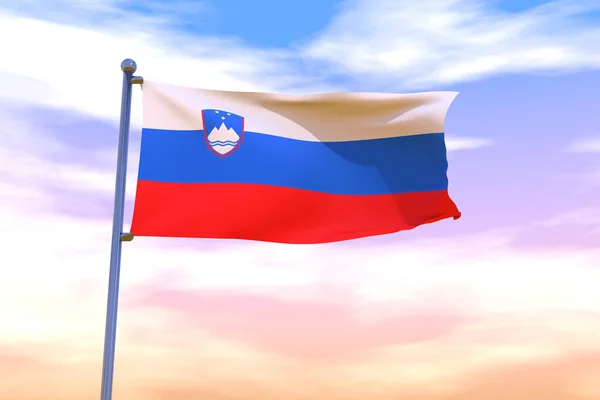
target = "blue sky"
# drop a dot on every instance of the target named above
(264, 23)
(268, 23)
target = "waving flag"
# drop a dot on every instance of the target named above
(290, 168)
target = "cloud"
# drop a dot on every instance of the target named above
(313, 328)
(590, 145)
(73, 67)
(109, 12)
(441, 42)
(458, 143)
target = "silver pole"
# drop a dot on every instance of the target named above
(128, 67)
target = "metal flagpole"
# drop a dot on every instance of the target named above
(128, 67)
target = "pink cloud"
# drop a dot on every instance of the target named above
(315, 329)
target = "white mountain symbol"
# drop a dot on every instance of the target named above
(223, 140)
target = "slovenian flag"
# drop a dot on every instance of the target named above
(290, 168)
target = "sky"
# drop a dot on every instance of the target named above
(500, 304)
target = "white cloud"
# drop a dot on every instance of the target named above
(425, 43)
(73, 67)
(458, 143)
(112, 12)
(589, 145)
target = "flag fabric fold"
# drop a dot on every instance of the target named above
(290, 168)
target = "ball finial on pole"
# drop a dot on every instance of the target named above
(128, 65)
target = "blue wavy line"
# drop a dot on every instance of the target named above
(222, 143)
